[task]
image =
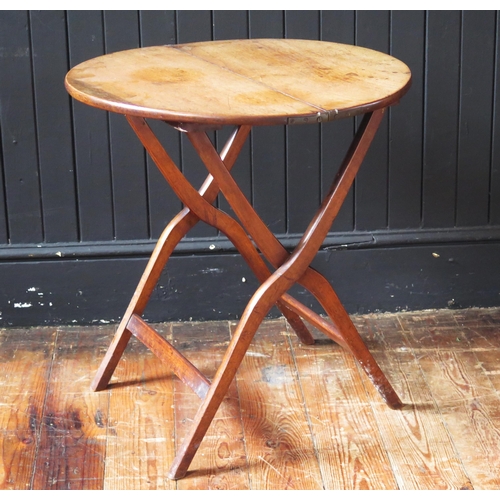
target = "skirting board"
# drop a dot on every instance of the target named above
(213, 287)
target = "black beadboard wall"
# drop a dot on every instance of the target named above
(81, 204)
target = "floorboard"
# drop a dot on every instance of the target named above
(278, 438)
(220, 462)
(296, 416)
(25, 363)
(72, 439)
(140, 426)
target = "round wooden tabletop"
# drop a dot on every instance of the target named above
(255, 82)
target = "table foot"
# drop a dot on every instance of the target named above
(110, 360)
(343, 331)
(295, 322)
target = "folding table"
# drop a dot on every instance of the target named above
(199, 87)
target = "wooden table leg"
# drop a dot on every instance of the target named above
(278, 255)
(169, 239)
(171, 236)
(275, 286)
(290, 269)
(206, 212)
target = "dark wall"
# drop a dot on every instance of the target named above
(81, 204)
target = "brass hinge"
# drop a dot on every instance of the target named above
(321, 116)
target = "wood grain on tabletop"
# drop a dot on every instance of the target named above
(260, 81)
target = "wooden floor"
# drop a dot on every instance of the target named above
(297, 417)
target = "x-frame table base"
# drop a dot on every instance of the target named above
(253, 240)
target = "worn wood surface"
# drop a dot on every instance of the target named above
(415, 438)
(72, 441)
(351, 452)
(221, 461)
(140, 426)
(302, 417)
(25, 361)
(470, 408)
(279, 443)
(258, 81)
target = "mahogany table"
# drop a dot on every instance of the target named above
(243, 83)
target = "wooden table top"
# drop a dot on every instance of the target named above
(255, 82)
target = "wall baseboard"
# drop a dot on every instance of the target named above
(95, 290)
(210, 246)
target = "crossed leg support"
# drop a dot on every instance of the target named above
(171, 236)
(290, 268)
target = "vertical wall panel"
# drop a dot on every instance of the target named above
(91, 136)
(372, 31)
(4, 233)
(53, 116)
(336, 136)
(71, 172)
(18, 130)
(268, 143)
(194, 26)
(128, 167)
(303, 142)
(476, 94)
(76, 178)
(159, 28)
(230, 25)
(441, 118)
(406, 120)
(494, 198)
